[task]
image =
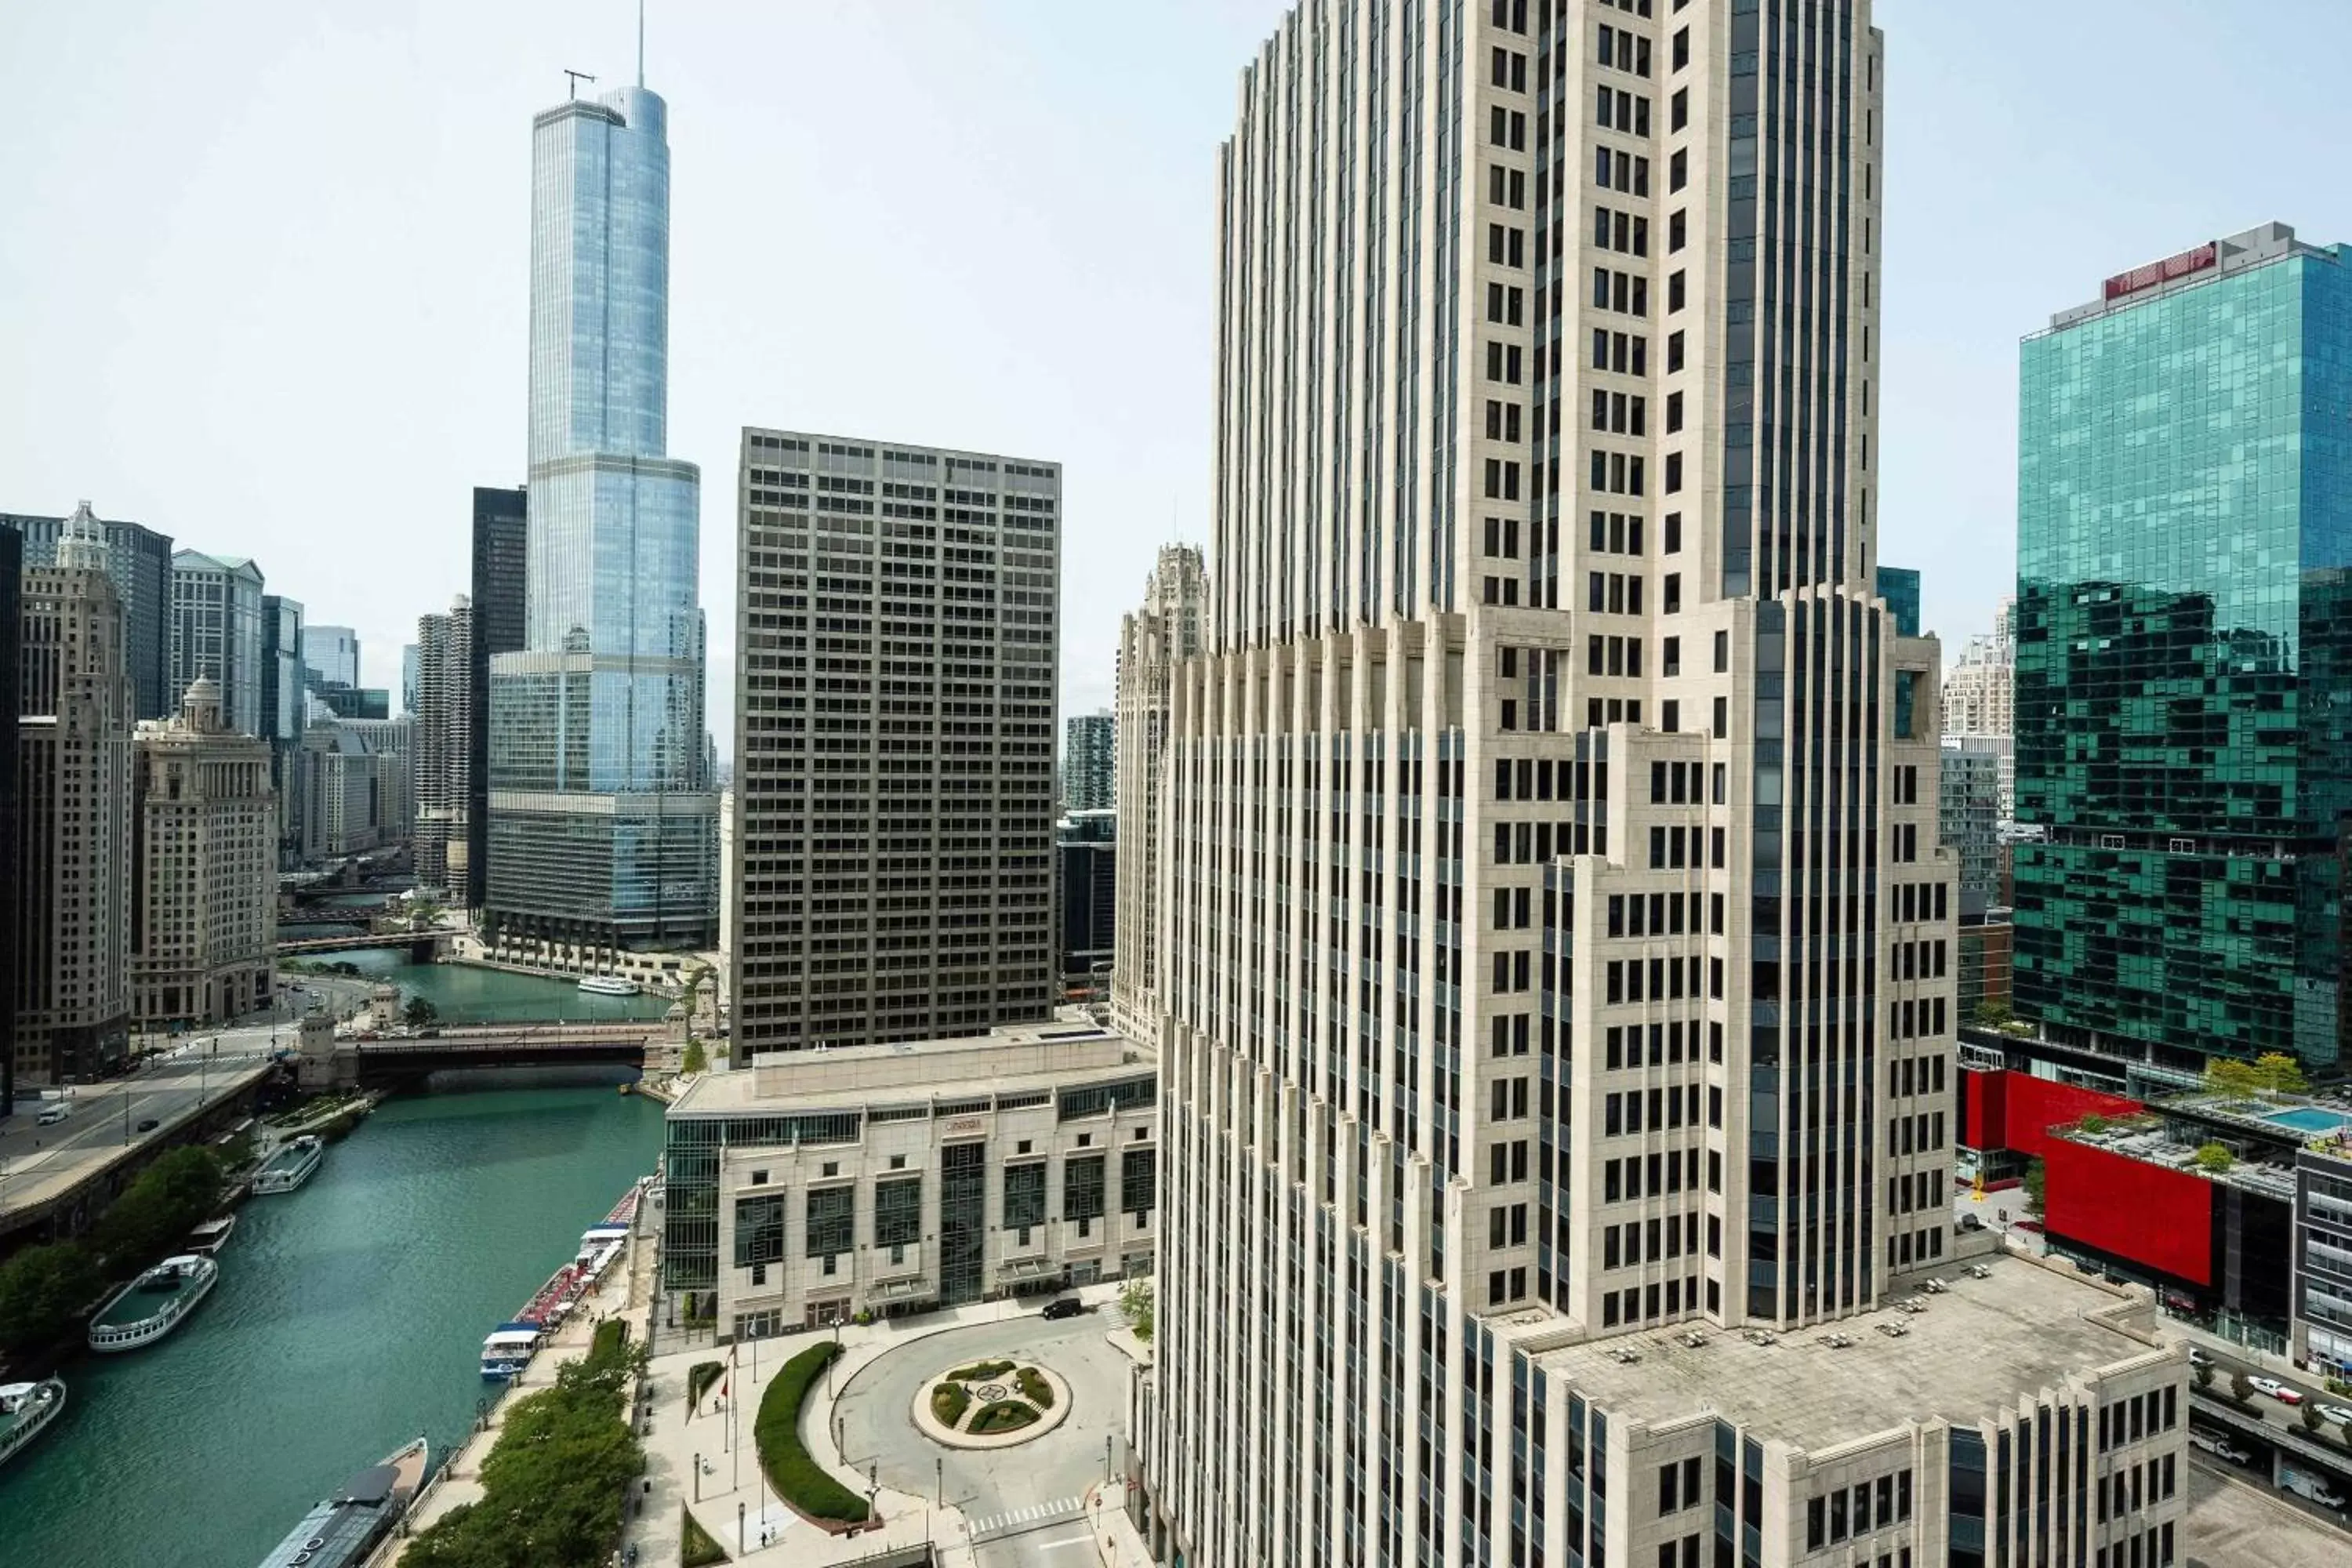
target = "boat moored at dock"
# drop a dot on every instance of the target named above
(209, 1238)
(153, 1304)
(291, 1166)
(24, 1409)
(507, 1350)
(510, 1347)
(343, 1530)
(609, 985)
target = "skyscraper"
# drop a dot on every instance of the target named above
(203, 910)
(1980, 701)
(894, 786)
(604, 824)
(216, 632)
(1556, 953)
(285, 715)
(331, 655)
(1089, 780)
(12, 553)
(2184, 656)
(1153, 640)
(445, 727)
(501, 535)
(72, 887)
(138, 563)
(411, 664)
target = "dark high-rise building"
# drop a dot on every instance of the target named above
(2183, 685)
(1086, 897)
(283, 713)
(501, 572)
(139, 564)
(11, 553)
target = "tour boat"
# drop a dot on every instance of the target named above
(507, 1350)
(210, 1237)
(24, 1409)
(343, 1530)
(608, 985)
(510, 1347)
(291, 1165)
(153, 1304)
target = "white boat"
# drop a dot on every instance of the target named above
(210, 1237)
(153, 1304)
(24, 1409)
(291, 1165)
(507, 1350)
(608, 985)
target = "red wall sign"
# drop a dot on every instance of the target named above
(2164, 272)
(2158, 1217)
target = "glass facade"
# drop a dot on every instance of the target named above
(597, 759)
(1899, 586)
(2184, 658)
(216, 633)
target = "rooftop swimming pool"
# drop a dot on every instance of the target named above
(2310, 1119)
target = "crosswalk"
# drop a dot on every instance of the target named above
(1036, 1516)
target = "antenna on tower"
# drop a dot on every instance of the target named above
(641, 45)
(577, 77)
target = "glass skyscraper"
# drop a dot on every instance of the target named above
(2184, 654)
(602, 824)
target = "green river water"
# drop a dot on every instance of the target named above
(349, 1317)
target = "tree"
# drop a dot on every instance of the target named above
(2311, 1416)
(1992, 1012)
(1139, 1303)
(420, 1014)
(2204, 1372)
(423, 911)
(2279, 1073)
(2241, 1388)
(158, 1209)
(2036, 1180)
(2213, 1159)
(41, 1289)
(695, 1060)
(2227, 1075)
(2093, 1124)
(2343, 1433)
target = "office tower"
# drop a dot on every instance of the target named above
(138, 563)
(1556, 959)
(1899, 586)
(1980, 700)
(1086, 898)
(1969, 818)
(1090, 778)
(357, 789)
(285, 710)
(604, 822)
(444, 739)
(203, 910)
(412, 657)
(216, 632)
(73, 814)
(331, 655)
(2184, 656)
(343, 702)
(501, 565)
(12, 554)
(894, 810)
(1153, 639)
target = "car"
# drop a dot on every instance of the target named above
(2336, 1414)
(2199, 1358)
(2031, 1225)
(1970, 1222)
(2275, 1389)
(1063, 1306)
(149, 1125)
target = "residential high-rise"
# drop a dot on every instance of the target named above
(356, 791)
(1152, 641)
(203, 910)
(604, 823)
(1980, 700)
(501, 535)
(73, 885)
(1969, 818)
(2184, 656)
(331, 655)
(894, 778)
(285, 715)
(12, 559)
(444, 739)
(216, 632)
(1556, 957)
(1089, 776)
(138, 563)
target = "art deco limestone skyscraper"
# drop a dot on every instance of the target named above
(1556, 959)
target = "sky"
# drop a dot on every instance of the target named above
(263, 266)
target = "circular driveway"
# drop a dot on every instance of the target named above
(1047, 1478)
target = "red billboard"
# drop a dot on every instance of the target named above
(2157, 1217)
(2195, 259)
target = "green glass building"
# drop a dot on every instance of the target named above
(2184, 656)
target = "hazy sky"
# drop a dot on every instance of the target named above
(263, 265)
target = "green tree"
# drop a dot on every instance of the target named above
(41, 1289)
(2311, 1416)
(2241, 1388)
(1992, 1012)
(423, 911)
(1139, 1303)
(170, 1197)
(2203, 1373)
(2093, 1124)
(695, 1060)
(2227, 1075)
(420, 1014)
(2343, 1433)
(2279, 1073)
(2036, 1180)
(2213, 1159)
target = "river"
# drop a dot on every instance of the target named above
(472, 994)
(349, 1317)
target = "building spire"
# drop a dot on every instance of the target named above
(641, 45)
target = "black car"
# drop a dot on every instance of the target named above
(149, 1125)
(1063, 1306)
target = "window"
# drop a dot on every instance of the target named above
(1082, 1187)
(829, 1213)
(759, 1231)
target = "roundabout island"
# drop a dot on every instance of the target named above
(991, 1404)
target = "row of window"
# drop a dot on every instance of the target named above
(1868, 1506)
(1667, 1044)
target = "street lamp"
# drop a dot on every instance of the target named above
(698, 1476)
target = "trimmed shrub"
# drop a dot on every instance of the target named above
(699, 1379)
(981, 1371)
(798, 1479)
(1004, 1416)
(948, 1401)
(1032, 1384)
(699, 1550)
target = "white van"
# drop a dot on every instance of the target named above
(53, 1112)
(2305, 1485)
(2218, 1446)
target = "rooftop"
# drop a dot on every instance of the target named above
(2255, 247)
(1977, 1347)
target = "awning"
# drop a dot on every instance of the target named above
(1027, 1269)
(894, 1290)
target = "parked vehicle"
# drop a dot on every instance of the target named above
(2304, 1484)
(2199, 1358)
(55, 1112)
(2218, 1446)
(1063, 1306)
(2275, 1389)
(2032, 1226)
(149, 1125)
(2336, 1414)
(1970, 1222)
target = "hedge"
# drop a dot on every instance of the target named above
(1033, 1385)
(798, 1479)
(948, 1401)
(1004, 1416)
(980, 1372)
(696, 1550)
(699, 1379)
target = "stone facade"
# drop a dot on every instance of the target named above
(204, 914)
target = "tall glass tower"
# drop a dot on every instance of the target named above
(602, 824)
